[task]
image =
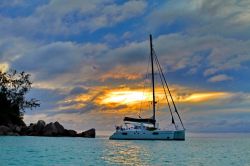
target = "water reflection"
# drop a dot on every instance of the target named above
(126, 153)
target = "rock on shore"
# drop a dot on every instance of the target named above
(89, 133)
(42, 129)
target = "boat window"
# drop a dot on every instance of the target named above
(155, 133)
(124, 133)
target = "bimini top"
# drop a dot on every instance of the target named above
(152, 121)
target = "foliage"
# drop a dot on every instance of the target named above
(13, 88)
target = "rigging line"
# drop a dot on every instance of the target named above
(169, 90)
(173, 122)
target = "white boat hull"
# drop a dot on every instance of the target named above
(148, 135)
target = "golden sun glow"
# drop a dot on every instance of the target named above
(125, 97)
(131, 97)
(201, 97)
(127, 100)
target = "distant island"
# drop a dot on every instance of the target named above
(13, 88)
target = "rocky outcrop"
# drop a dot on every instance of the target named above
(54, 129)
(70, 133)
(4, 130)
(33, 129)
(89, 133)
(42, 129)
(11, 130)
(39, 125)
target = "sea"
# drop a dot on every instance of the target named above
(222, 149)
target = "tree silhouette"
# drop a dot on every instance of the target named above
(13, 88)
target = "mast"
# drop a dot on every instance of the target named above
(153, 78)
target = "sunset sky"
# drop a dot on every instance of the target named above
(88, 60)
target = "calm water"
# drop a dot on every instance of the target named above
(196, 150)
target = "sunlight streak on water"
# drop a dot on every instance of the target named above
(125, 153)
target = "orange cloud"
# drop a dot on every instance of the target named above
(121, 72)
(205, 96)
(132, 100)
(125, 97)
(120, 75)
(130, 97)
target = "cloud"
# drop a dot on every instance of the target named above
(34, 118)
(210, 71)
(77, 61)
(218, 120)
(110, 38)
(204, 17)
(124, 73)
(13, 48)
(11, 3)
(219, 125)
(56, 18)
(219, 78)
(78, 90)
(48, 98)
(68, 63)
(53, 60)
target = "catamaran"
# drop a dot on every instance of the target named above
(147, 128)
